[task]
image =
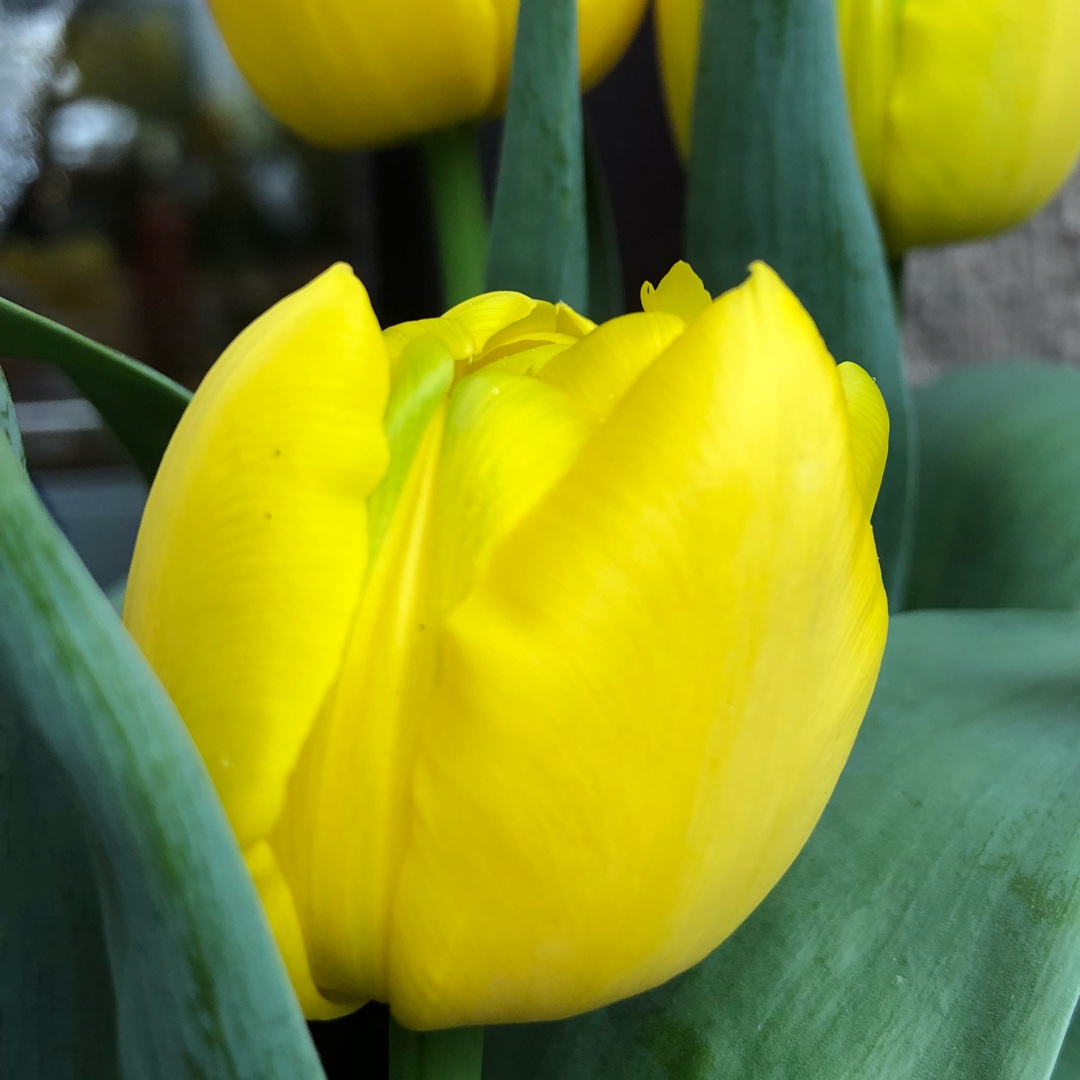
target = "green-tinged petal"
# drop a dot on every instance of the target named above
(343, 73)
(458, 340)
(345, 825)
(681, 292)
(509, 438)
(252, 551)
(602, 367)
(869, 430)
(697, 599)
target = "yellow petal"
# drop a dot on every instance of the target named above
(485, 315)
(605, 30)
(455, 337)
(346, 821)
(346, 73)
(869, 430)
(599, 370)
(645, 701)
(681, 292)
(508, 439)
(982, 120)
(252, 550)
(678, 26)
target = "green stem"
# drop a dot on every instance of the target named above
(457, 1054)
(461, 222)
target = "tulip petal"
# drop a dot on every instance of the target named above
(344, 74)
(680, 292)
(341, 834)
(869, 430)
(602, 367)
(982, 121)
(644, 703)
(252, 552)
(678, 28)
(487, 314)
(509, 438)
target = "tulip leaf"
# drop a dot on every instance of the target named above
(605, 263)
(539, 240)
(141, 406)
(774, 176)
(132, 938)
(1068, 1062)
(931, 927)
(999, 525)
(9, 425)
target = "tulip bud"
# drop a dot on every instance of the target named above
(966, 114)
(349, 73)
(523, 653)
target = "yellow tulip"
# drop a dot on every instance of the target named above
(966, 112)
(346, 73)
(524, 653)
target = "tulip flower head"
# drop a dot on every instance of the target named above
(348, 73)
(966, 114)
(524, 653)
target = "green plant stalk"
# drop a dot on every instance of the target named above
(461, 219)
(539, 242)
(456, 1054)
(774, 176)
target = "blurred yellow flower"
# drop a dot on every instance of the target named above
(966, 114)
(524, 653)
(347, 73)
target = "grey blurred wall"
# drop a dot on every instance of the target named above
(1017, 295)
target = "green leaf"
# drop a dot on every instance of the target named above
(106, 797)
(930, 930)
(538, 227)
(774, 176)
(141, 406)
(605, 262)
(999, 520)
(1068, 1063)
(9, 425)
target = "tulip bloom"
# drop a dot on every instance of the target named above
(347, 73)
(524, 654)
(966, 112)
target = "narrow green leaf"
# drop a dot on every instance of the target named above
(141, 406)
(605, 263)
(9, 425)
(774, 176)
(198, 986)
(538, 228)
(999, 521)
(931, 927)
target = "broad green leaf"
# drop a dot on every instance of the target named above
(141, 406)
(774, 176)
(98, 771)
(930, 930)
(999, 517)
(1068, 1063)
(605, 263)
(9, 426)
(538, 227)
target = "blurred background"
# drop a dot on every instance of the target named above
(148, 201)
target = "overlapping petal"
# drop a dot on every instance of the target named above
(346, 73)
(609, 728)
(252, 551)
